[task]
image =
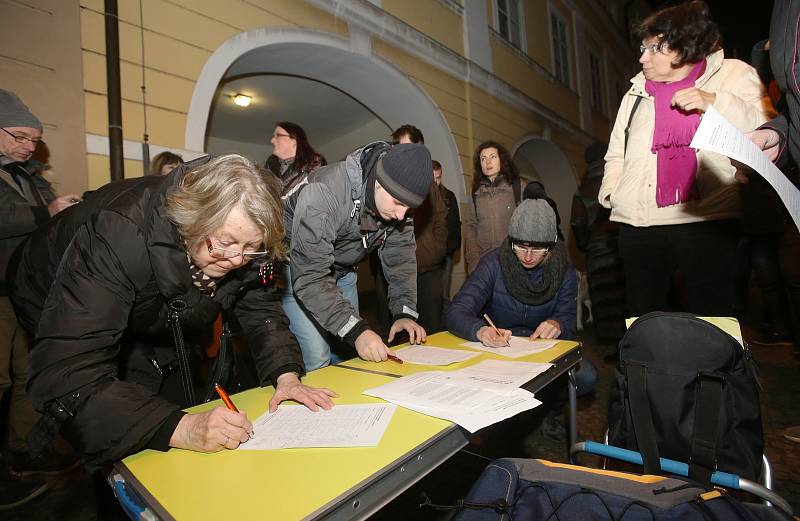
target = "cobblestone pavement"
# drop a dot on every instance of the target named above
(72, 497)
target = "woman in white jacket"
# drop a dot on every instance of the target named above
(678, 206)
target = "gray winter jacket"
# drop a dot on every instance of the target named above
(330, 230)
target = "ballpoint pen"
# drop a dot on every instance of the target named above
(489, 321)
(394, 358)
(225, 398)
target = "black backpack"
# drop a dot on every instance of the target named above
(686, 390)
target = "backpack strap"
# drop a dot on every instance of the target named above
(703, 459)
(636, 376)
(630, 119)
(517, 187)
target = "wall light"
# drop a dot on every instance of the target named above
(242, 100)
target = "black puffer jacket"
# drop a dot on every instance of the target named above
(94, 285)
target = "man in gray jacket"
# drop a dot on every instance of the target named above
(345, 211)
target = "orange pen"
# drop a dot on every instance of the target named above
(225, 398)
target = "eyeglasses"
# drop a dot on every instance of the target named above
(222, 253)
(524, 250)
(489, 157)
(278, 134)
(653, 48)
(22, 139)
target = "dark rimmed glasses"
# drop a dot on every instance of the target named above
(23, 139)
(222, 253)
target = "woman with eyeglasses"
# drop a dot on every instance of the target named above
(117, 291)
(527, 286)
(293, 157)
(496, 191)
(679, 207)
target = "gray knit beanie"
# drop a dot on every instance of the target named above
(406, 172)
(533, 223)
(14, 113)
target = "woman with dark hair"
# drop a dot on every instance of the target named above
(496, 191)
(293, 157)
(164, 163)
(678, 207)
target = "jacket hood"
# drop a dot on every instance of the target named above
(358, 164)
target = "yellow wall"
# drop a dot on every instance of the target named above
(432, 18)
(179, 37)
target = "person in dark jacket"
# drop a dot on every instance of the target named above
(344, 212)
(293, 157)
(453, 234)
(527, 286)
(106, 286)
(782, 135)
(292, 160)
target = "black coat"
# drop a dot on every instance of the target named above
(94, 285)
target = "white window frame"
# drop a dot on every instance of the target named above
(516, 5)
(555, 15)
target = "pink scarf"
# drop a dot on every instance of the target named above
(674, 130)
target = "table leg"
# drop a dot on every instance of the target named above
(572, 390)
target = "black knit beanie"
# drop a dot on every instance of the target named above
(406, 172)
(14, 113)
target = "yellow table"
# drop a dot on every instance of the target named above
(330, 483)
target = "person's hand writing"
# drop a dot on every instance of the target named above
(548, 329)
(212, 431)
(692, 98)
(489, 337)
(416, 333)
(289, 387)
(767, 140)
(60, 203)
(370, 347)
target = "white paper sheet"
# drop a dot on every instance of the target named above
(520, 346)
(295, 426)
(432, 355)
(717, 134)
(498, 375)
(433, 394)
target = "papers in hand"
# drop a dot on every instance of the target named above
(463, 397)
(520, 346)
(430, 355)
(717, 134)
(294, 426)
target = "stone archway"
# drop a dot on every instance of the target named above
(348, 65)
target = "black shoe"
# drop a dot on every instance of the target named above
(553, 428)
(49, 463)
(15, 492)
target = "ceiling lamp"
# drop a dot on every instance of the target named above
(242, 100)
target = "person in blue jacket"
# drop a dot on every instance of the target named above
(527, 286)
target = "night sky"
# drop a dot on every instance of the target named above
(741, 22)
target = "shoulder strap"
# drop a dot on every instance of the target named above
(636, 376)
(517, 187)
(630, 119)
(703, 461)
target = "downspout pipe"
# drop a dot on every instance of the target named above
(114, 92)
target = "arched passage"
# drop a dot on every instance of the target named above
(348, 65)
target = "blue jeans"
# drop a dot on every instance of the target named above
(310, 335)
(585, 377)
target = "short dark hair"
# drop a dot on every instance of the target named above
(436, 165)
(305, 155)
(686, 29)
(507, 166)
(413, 133)
(163, 159)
